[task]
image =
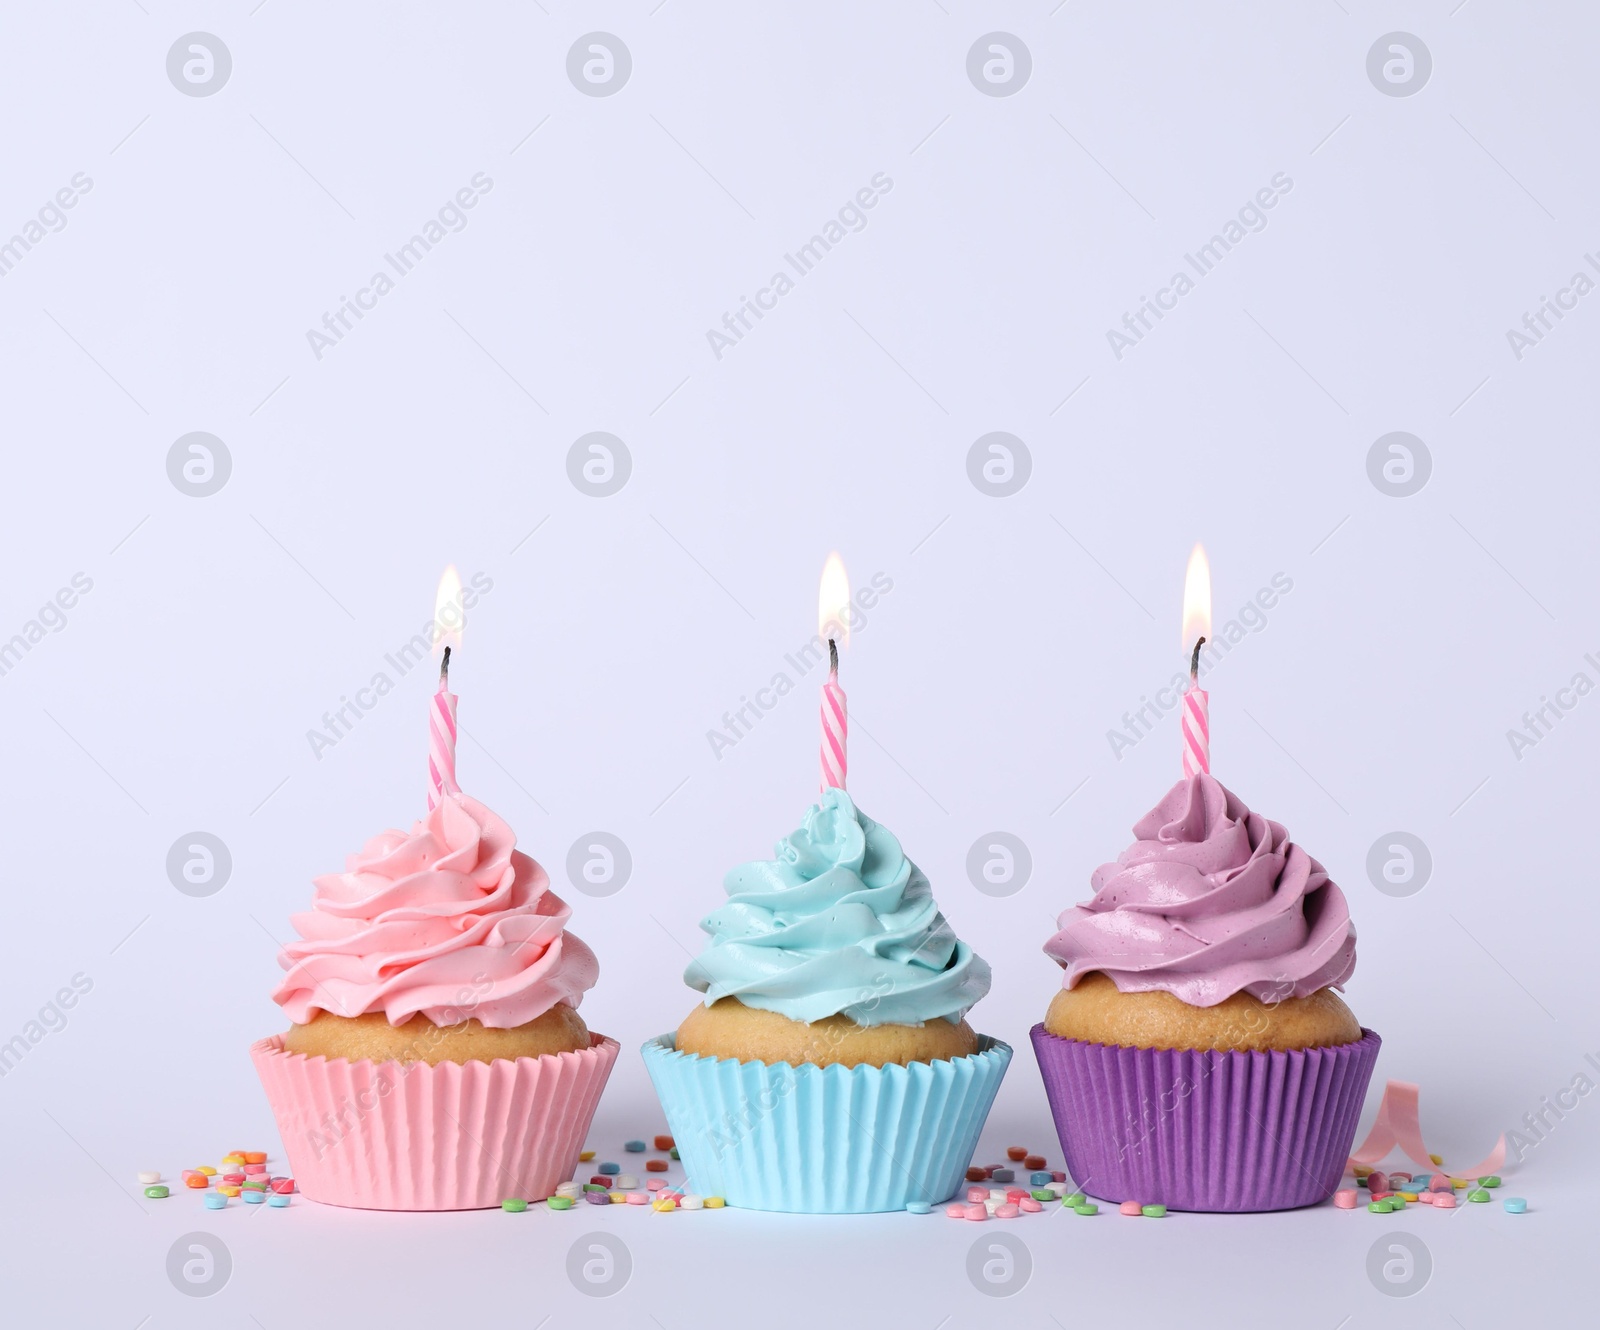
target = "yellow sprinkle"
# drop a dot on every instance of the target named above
(1460, 1183)
(228, 1189)
(1363, 1170)
(207, 1170)
(714, 1202)
(619, 1198)
(664, 1206)
(1408, 1195)
(586, 1156)
(233, 1159)
(1437, 1160)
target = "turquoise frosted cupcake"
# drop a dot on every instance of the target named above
(833, 1020)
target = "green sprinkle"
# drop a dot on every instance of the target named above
(1155, 1212)
(595, 1186)
(1074, 1199)
(1479, 1195)
(674, 1153)
(1491, 1181)
(156, 1193)
(1043, 1194)
(513, 1205)
(1361, 1182)
(1087, 1208)
(1379, 1207)
(560, 1202)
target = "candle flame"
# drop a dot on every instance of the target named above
(833, 602)
(1196, 598)
(449, 614)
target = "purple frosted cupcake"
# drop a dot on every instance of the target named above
(1197, 1055)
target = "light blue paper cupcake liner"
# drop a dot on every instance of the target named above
(825, 1140)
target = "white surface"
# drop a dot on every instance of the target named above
(1018, 230)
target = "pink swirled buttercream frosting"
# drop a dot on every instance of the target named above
(449, 919)
(1210, 900)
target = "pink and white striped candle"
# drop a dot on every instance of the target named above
(442, 739)
(835, 726)
(1196, 728)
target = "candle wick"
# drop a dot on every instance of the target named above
(833, 656)
(1194, 661)
(444, 670)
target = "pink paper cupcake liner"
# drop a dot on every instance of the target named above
(1205, 1130)
(409, 1136)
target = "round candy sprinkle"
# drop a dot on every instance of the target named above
(1408, 1196)
(1478, 1196)
(618, 1197)
(638, 1198)
(197, 1180)
(147, 1179)
(1006, 1212)
(1088, 1208)
(1015, 1193)
(211, 1172)
(1003, 1175)
(1345, 1198)
(693, 1202)
(233, 1179)
(213, 1200)
(585, 1156)
(1421, 1181)
(664, 1142)
(1074, 1199)
(974, 1174)
(227, 1189)
(1016, 1153)
(1379, 1207)
(912, 1207)
(255, 1156)
(1042, 1194)
(1056, 1175)
(674, 1153)
(284, 1185)
(230, 1159)
(1155, 1212)
(976, 1212)
(655, 1165)
(626, 1181)
(1033, 1162)
(1131, 1208)
(715, 1202)
(1378, 1180)
(253, 1197)
(1491, 1181)
(611, 1170)
(977, 1193)
(1436, 1160)
(254, 1169)
(1515, 1205)
(1039, 1179)
(956, 1211)
(598, 1197)
(560, 1203)
(1460, 1184)
(655, 1184)
(634, 1147)
(157, 1192)
(1444, 1200)
(278, 1200)
(596, 1186)
(1439, 1182)
(513, 1205)
(1029, 1206)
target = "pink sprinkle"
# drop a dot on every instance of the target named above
(655, 1184)
(255, 1168)
(1016, 1193)
(1131, 1208)
(1440, 1182)
(638, 1198)
(1006, 1211)
(1029, 1206)
(977, 1193)
(1377, 1182)
(1443, 1200)
(1345, 1198)
(956, 1211)
(976, 1210)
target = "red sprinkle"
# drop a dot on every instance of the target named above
(284, 1185)
(651, 1166)
(601, 1180)
(664, 1142)
(1034, 1162)
(976, 1174)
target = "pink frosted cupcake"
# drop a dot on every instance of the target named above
(1198, 1055)
(436, 1059)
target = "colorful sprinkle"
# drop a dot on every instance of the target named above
(1345, 1198)
(560, 1202)
(213, 1200)
(1029, 1206)
(1478, 1196)
(655, 1165)
(278, 1200)
(253, 1197)
(513, 1205)
(1056, 1175)
(197, 1180)
(1439, 1182)
(597, 1197)
(1034, 1162)
(228, 1189)
(627, 1181)
(1378, 1181)
(1042, 1194)
(1443, 1200)
(211, 1172)
(1039, 1179)
(1515, 1205)
(638, 1198)
(596, 1186)
(634, 1147)
(1379, 1207)
(1007, 1211)
(610, 1169)
(976, 1212)
(664, 1142)
(1074, 1199)
(284, 1185)
(148, 1179)
(1003, 1175)
(974, 1174)
(977, 1193)
(673, 1153)
(1131, 1208)
(655, 1184)
(157, 1192)
(1088, 1208)
(1492, 1180)
(693, 1202)
(585, 1156)
(715, 1202)
(956, 1211)
(1016, 1153)
(1155, 1212)
(1436, 1160)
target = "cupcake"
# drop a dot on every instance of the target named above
(830, 1067)
(435, 1058)
(1198, 1054)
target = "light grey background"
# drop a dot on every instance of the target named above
(1019, 229)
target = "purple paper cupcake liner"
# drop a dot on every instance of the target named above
(1206, 1130)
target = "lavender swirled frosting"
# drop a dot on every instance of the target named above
(839, 923)
(1210, 900)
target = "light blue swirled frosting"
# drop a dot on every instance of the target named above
(841, 922)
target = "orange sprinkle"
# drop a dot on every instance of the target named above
(655, 1165)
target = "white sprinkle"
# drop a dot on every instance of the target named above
(627, 1182)
(147, 1179)
(692, 1203)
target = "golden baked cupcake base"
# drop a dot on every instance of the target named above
(729, 1029)
(371, 1037)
